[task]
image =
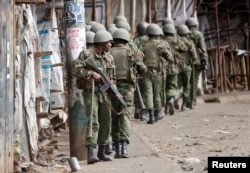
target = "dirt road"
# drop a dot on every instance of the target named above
(183, 142)
(212, 129)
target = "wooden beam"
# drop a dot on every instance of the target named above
(194, 9)
(107, 10)
(248, 46)
(218, 3)
(225, 14)
(149, 5)
(30, 1)
(39, 54)
(94, 10)
(218, 50)
(57, 64)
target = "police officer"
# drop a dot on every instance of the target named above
(101, 117)
(112, 29)
(154, 49)
(97, 27)
(127, 66)
(120, 18)
(90, 40)
(141, 30)
(167, 20)
(185, 65)
(201, 50)
(172, 90)
(124, 25)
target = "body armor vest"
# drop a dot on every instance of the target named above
(151, 58)
(121, 61)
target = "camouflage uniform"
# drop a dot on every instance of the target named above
(139, 114)
(102, 111)
(101, 117)
(154, 49)
(139, 39)
(185, 68)
(172, 90)
(128, 64)
(201, 50)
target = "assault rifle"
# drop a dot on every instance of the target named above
(139, 96)
(204, 73)
(107, 83)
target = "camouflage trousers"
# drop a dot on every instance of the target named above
(152, 89)
(101, 120)
(121, 124)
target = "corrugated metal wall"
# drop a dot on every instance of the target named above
(6, 86)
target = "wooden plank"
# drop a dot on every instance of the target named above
(57, 64)
(94, 10)
(30, 1)
(39, 54)
(7, 59)
(108, 12)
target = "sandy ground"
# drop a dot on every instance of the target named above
(179, 143)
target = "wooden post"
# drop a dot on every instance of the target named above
(94, 10)
(248, 47)
(133, 4)
(107, 9)
(231, 59)
(144, 9)
(7, 59)
(76, 42)
(218, 49)
(149, 11)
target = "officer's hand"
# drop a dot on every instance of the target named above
(203, 61)
(97, 77)
(204, 64)
(117, 97)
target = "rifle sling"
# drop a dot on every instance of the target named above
(112, 108)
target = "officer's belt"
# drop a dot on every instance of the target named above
(153, 70)
(121, 81)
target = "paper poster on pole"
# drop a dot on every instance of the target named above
(76, 40)
(74, 12)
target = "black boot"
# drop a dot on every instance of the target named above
(91, 159)
(124, 150)
(151, 116)
(137, 113)
(184, 104)
(189, 105)
(161, 115)
(108, 147)
(171, 105)
(176, 104)
(158, 115)
(143, 114)
(101, 154)
(117, 149)
(166, 109)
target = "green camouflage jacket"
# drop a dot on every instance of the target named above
(139, 39)
(85, 72)
(133, 65)
(189, 56)
(200, 45)
(162, 51)
(176, 46)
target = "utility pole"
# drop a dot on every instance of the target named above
(76, 42)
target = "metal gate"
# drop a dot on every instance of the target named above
(6, 85)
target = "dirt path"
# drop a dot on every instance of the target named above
(182, 142)
(212, 129)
